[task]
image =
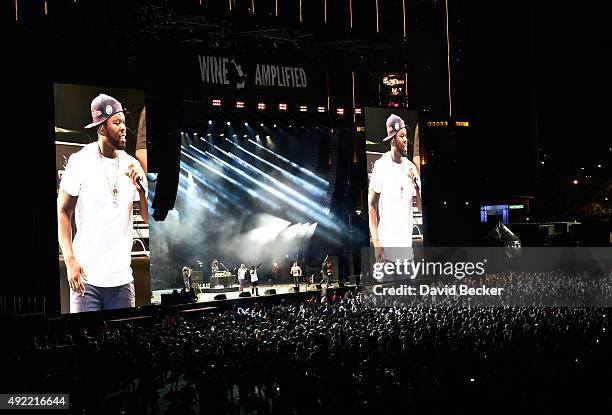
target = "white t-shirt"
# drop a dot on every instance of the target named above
(296, 271)
(241, 273)
(103, 240)
(253, 275)
(391, 181)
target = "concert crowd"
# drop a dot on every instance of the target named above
(333, 354)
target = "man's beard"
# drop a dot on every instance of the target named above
(402, 150)
(119, 145)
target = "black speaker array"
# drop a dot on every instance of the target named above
(164, 119)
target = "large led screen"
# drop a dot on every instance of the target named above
(395, 214)
(102, 202)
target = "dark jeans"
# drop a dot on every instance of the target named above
(103, 298)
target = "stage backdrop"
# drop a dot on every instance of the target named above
(248, 194)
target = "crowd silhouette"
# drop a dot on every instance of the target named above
(332, 354)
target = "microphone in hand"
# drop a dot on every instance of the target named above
(135, 174)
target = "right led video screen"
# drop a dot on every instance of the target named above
(395, 213)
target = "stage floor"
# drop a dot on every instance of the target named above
(232, 292)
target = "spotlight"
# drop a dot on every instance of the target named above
(320, 109)
(240, 104)
(261, 106)
(228, 123)
(261, 125)
(282, 107)
(303, 108)
(221, 135)
(246, 124)
(257, 136)
(357, 111)
(340, 111)
(216, 102)
(274, 125)
(209, 122)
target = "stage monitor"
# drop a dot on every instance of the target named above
(102, 209)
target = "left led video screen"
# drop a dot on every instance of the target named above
(102, 197)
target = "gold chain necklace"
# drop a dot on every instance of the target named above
(113, 189)
(400, 179)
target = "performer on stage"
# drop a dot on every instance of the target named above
(99, 186)
(296, 272)
(214, 268)
(254, 280)
(242, 276)
(393, 183)
(326, 272)
(330, 273)
(187, 278)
